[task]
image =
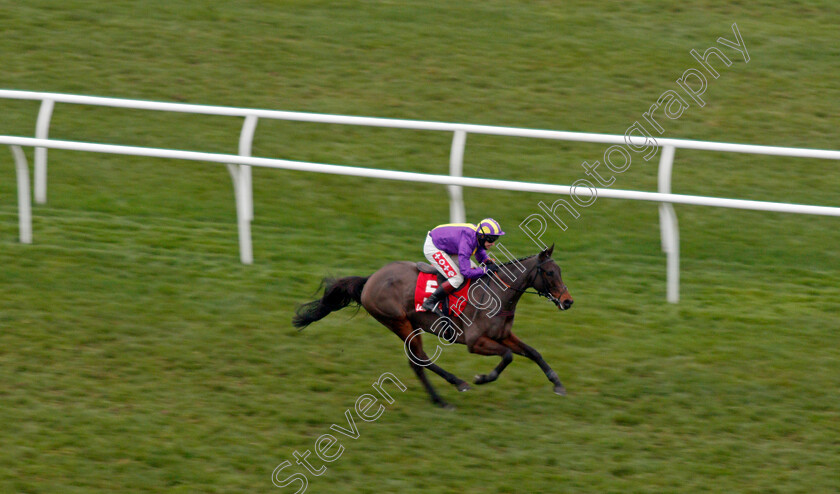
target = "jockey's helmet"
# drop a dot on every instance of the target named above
(488, 230)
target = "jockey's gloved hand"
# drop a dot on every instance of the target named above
(490, 266)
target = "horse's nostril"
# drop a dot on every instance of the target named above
(568, 303)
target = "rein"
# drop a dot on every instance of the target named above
(545, 294)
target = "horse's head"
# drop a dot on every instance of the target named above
(548, 281)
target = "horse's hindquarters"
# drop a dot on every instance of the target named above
(389, 292)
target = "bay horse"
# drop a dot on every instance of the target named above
(484, 326)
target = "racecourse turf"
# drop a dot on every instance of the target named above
(138, 355)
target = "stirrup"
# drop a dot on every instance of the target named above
(435, 307)
(437, 310)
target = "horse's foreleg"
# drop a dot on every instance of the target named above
(485, 346)
(520, 348)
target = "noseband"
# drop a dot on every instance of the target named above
(547, 294)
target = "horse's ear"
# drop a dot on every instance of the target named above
(547, 252)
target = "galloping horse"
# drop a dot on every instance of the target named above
(484, 326)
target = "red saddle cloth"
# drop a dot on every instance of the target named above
(426, 285)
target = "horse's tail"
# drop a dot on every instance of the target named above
(338, 294)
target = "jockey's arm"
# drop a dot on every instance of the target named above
(481, 256)
(464, 256)
(466, 267)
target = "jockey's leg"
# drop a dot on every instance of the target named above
(447, 287)
(445, 265)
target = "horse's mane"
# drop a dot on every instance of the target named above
(519, 260)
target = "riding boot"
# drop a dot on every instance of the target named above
(431, 303)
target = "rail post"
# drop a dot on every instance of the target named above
(669, 227)
(42, 130)
(24, 201)
(243, 191)
(457, 214)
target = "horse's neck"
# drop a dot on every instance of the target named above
(518, 285)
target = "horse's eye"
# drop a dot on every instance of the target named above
(550, 273)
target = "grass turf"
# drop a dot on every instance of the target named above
(137, 355)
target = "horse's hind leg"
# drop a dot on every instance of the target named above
(486, 346)
(521, 348)
(418, 360)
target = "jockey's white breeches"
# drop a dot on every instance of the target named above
(443, 262)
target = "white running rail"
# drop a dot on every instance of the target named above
(239, 165)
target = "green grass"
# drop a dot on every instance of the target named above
(138, 355)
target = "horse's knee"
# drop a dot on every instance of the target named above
(527, 351)
(416, 367)
(534, 355)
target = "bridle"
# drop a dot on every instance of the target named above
(540, 272)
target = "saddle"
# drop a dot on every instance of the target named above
(428, 280)
(425, 267)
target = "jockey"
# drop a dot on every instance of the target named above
(461, 240)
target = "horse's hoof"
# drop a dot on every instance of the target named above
(464, 386)
(445, 405)
(560, 390)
